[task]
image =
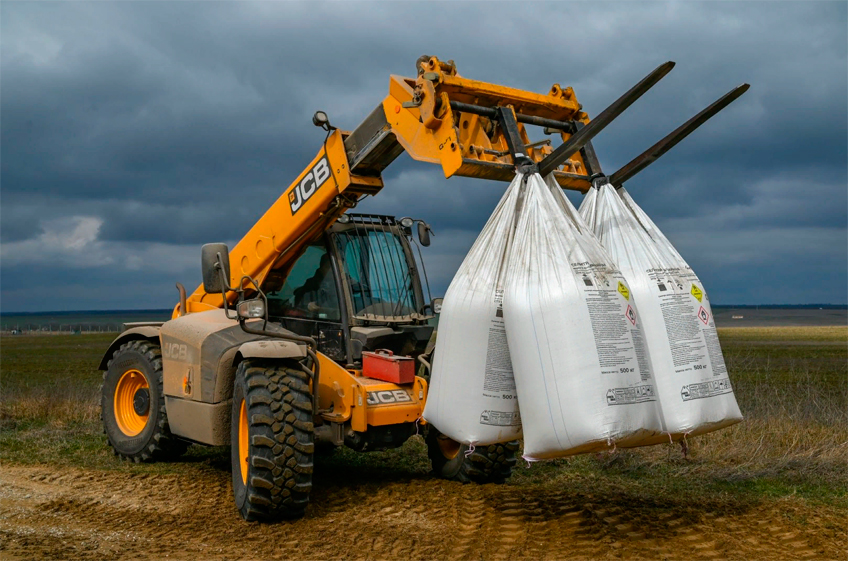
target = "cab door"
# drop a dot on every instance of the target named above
(309, 302)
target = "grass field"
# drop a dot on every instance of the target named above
(790, 383)
(772, 487)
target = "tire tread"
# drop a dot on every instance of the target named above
(281, 445)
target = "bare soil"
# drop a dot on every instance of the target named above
(49, 512)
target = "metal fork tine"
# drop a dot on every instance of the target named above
(596, 125)
(651, 155)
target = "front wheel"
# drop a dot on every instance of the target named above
(272, 440)
(132, 405)
(484, 464)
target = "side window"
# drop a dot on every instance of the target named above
(310, 289)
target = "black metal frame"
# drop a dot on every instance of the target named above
(492, 113)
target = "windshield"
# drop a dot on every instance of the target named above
(380, 279)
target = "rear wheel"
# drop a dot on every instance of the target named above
(272, 440)
(132, 405)
(485, 464)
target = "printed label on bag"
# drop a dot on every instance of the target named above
(625, 396)
(684, 332)
(500, 418)
(706, 389)
(498, 381)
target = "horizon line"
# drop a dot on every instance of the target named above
(169, 310)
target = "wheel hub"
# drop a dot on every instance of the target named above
(141, 401)
(132, 402)
(449, 447)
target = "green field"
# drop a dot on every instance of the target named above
(791, 384)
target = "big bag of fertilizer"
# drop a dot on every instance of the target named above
(472, 397)
(581, 366)
(691, 378)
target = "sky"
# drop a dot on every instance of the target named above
(133, 133)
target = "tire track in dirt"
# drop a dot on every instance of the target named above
(86, 514)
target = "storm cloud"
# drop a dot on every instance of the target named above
(132, 133)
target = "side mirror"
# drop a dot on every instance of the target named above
(214, 258)
(424, 233)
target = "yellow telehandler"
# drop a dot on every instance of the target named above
(300, 336)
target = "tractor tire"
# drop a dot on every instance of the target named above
(132, 405)
(486, 464)
(272, 440)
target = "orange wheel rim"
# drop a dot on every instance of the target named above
(448, 446)
(242, 442)
(129, 420)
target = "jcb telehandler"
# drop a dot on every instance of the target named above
(268, 354)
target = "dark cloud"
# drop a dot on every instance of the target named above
(134, 132)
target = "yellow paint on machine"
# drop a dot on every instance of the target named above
(348, 395)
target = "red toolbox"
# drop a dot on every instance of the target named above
(383, 365)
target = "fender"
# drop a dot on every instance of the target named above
(148, 332)
(271, 349)
(209, 423)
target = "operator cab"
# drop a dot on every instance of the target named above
(357, 288)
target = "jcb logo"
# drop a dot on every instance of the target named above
(388, 396)
(311, 182)
(175, 351)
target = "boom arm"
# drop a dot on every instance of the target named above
(438, 117)
(471, 128)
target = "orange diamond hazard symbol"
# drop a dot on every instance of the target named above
(631, 315)
(703, 315)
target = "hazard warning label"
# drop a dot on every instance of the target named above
(703, 315)
(705, 389)
(623, 290)
(631, 315)
(626, 396)
(697, 292)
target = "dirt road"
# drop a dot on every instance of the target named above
(70, 513)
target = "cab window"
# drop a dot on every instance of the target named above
(380, 279)
(309, 291)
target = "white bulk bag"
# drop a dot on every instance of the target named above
(581, 366)
(688, 366)
(472, 397)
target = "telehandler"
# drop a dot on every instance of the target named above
(302, 336)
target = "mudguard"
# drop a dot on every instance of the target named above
(272, 349)
(149, 332)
